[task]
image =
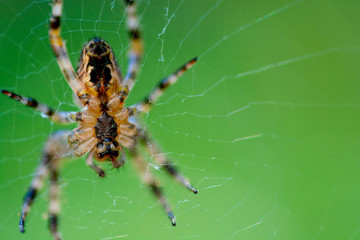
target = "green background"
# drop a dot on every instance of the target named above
(266, 125)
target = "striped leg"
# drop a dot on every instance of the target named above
(55, 149)
(146, 104)
(166, 164)
(136, 48)
(59, 117)
(61, 54)
(30, 195)
(54, 205)
(149, 180)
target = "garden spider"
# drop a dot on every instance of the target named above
(105, 127)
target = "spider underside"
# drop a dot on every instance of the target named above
(105, 127)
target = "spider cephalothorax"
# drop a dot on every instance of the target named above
(105, 127)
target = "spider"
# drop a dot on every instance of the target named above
(105, 127)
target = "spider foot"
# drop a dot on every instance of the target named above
(121, 161)
(101, 173)
(191, 188)
(118, 164)
(53, 227)
(172, 218)
(22, 225)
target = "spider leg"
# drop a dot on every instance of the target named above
(54, 205)
(165, 163)
(146, 104)
(149, 180)
(136, 45)
(121, 161)
(55, 149)
(55, 116)
(31, 193)
(96, 168)
(61, 54)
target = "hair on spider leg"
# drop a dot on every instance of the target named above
(23, 100)
(23, 223)
(111, 168)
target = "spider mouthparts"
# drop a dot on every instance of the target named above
(102, 89)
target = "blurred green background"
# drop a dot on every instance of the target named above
(266, 125)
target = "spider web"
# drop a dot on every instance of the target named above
(265, 125)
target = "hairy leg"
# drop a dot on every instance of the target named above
(56, 148)
(136, 46)
(165, 163)
(31, 193)
(147, 103)
(121, 160)
(55, 116)
(54, 204)
(149, 180)
(91, 164)
(61, 54)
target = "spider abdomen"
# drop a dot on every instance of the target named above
(98, 70)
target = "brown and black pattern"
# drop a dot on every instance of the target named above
(148, 179)
(165, 163)
(28, 200)
(54, 205)
(54, 150)
(55, 116)
(105, 128)
(136, 45)
(149, 100)
(61, 54)
(99, 73)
